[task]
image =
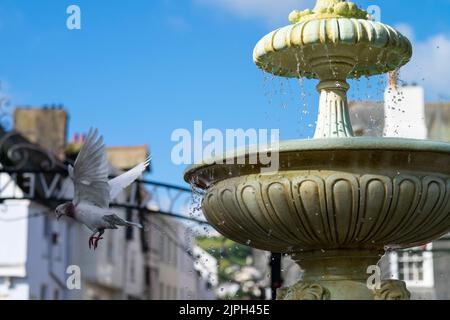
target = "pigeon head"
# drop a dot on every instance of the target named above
(66, 209)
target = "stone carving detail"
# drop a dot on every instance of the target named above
(304, 291)
(392, 290)
(329, 9)
(326, 211)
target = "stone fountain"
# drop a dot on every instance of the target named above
(337, 202)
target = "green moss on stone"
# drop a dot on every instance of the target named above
(329, 9)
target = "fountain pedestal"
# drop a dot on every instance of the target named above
(333, 119)
(342, 275)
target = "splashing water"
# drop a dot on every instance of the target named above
(195, 207)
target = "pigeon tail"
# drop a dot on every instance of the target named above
(132, 224)
(115, 220)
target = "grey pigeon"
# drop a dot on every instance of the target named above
(94, 191)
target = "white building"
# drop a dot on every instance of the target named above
(33, 256)
(404, 110)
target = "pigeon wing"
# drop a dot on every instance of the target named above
(118, 184)
(90, 172)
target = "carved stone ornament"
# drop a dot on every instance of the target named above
(304, 291)
(392, 290)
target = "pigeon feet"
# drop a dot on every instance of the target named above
(93, 242)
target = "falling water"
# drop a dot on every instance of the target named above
(303, 111)
(195, 207)
(282, 91)
(267, 81)
(381, 86)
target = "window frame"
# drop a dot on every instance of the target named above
(427, 262)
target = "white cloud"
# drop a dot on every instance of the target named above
(406, 30)
(430, 65)
(271, 11)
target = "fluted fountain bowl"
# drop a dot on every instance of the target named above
(355, 194)
(362, 47)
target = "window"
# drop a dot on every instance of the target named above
(175, 255)
(167, 292)
(110, 248)
(43, 294)
(147, 276)
(162, 248)
(161, 291)
(182, 294)
(414, 266)
(47, 226)
(55, 238)
(129, 230)
(132, 267)
(169, 251)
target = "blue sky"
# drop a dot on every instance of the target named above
(140, 69)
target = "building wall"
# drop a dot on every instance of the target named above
(36, 250)
(404, 109)
(13, 230)
(13, 243)
(33, 258)
(438, 121)
(441, 263)
(47, 258)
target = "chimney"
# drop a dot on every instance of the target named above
(43, 126)
(75, 138)
(393, 79)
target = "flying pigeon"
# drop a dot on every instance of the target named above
(94, 191)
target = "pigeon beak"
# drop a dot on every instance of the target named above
(58, 216)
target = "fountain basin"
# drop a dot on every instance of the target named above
(332, 194)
